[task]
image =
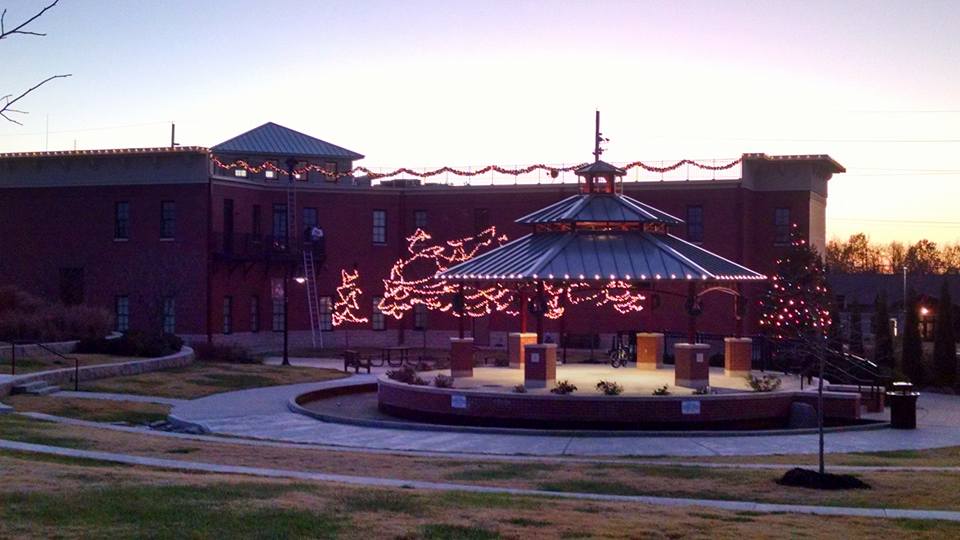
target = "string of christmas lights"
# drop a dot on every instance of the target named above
(553, 170)
(347, 306)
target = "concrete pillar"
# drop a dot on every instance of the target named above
(461, 357)
(540, 367)
(737, 356)
(649, 350)
(516, 341)
(692, 368)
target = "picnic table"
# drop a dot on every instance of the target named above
(398, 353)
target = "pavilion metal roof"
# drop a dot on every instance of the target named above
(598, 167)
(599, 207)
(275, 140)
(587, 255)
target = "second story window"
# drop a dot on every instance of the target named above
(330, 167)
(256, 228)
(270, 173)
(168, 219)
(309, 220)
(481, 219)
(781, 226)
(377, 321)
(240, 172)
(280, 221)
(379, 227)
(695, 224)
(121, 220)
(420, 219)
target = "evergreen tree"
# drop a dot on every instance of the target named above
(797, 302)
(945, 341)
(911, 362)
(346, 308)
(883, 341)
(856, 330)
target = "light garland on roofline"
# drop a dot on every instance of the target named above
(271, 166)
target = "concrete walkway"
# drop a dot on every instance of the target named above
(368, 481)
(262, 414)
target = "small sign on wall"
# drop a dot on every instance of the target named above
(690, 407)
(699, 357)
(534, 358)
(458, 401)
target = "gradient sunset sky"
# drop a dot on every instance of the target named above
(874, 84)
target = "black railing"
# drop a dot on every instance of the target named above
(247, 246)
(28, 343)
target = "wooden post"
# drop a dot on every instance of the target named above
(523, 310)
(691, 310)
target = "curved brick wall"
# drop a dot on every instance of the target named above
(719, 411)
(64, 377)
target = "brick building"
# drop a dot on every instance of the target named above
(168, 238)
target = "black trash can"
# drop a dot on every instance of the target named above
(903, 409)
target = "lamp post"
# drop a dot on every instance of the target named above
(291, 163)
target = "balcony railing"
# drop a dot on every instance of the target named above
(240, 246)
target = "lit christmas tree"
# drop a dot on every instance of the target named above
(797, 303)
(346, 308)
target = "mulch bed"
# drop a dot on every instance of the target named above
(806, 478)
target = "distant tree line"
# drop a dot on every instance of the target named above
(858, 255)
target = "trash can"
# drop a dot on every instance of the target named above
(903, 409)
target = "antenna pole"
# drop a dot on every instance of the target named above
(596, 139)
(173, 135)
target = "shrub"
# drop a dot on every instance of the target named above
(563, 387)
(610, 388)
(443, 381)
(234, 354)
(24, 316)
(133, 343)
(406, 375)
(764, 383)
(662, 391)
(520, 389)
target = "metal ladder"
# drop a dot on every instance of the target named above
(313, 303)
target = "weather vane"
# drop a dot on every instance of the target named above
(598, 139)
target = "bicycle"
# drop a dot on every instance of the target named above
(619, 355)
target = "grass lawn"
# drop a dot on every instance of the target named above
(929, 490)
(95, 410)
(204, 378)
(46, 361)
(935, 457)
(42, 498)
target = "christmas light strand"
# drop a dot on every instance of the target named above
(272, 166)
(346, 308)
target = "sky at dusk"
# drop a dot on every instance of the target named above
(876, 85)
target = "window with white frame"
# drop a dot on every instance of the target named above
(695, 224)
(379, 227)
(420, 317)
(168, 219)
(420, 219)
(781, 226)
(227, 314)
(121, 221)
(169, 315)
(377, 321)
(326, 313)
(254, 313)
(122, 312)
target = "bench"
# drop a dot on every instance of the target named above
(353, 359)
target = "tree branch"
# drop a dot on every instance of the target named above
(5, 109)
(19, 29)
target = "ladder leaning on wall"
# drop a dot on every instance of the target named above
(313, 304)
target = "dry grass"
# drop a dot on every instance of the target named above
(930, 490)
(204, 378)
(42, 499)
(935, 457)
(96, 410)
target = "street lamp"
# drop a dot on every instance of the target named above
(291, 163)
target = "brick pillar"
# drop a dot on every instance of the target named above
(649, 350)
(516, 341)
(461, 357)
(540, 367)
(737, 356)
(692, 368)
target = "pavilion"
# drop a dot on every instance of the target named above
(601, 242)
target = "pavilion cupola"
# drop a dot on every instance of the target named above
(599, 176)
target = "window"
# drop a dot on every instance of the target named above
(280, 221)
(254, 313)
(781, 226)
(377, 321)
(303, 174)
(227, 314)
(419, 317)
(168, 219)
(309, 218)
(269, 173)
(256, 227)
(326, 313)
(331, 167)
(420, 219)
(169, 315)
(121, 312)
(276, 295)
(379, 226)
(121, 223)
(695, 224)
(481, 219)
(240, 172)
(71, 286)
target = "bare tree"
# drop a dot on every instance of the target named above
(8, 101)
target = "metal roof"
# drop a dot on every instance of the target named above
(599, 207)
(598, 167)
(275, 140)
(588, 255)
